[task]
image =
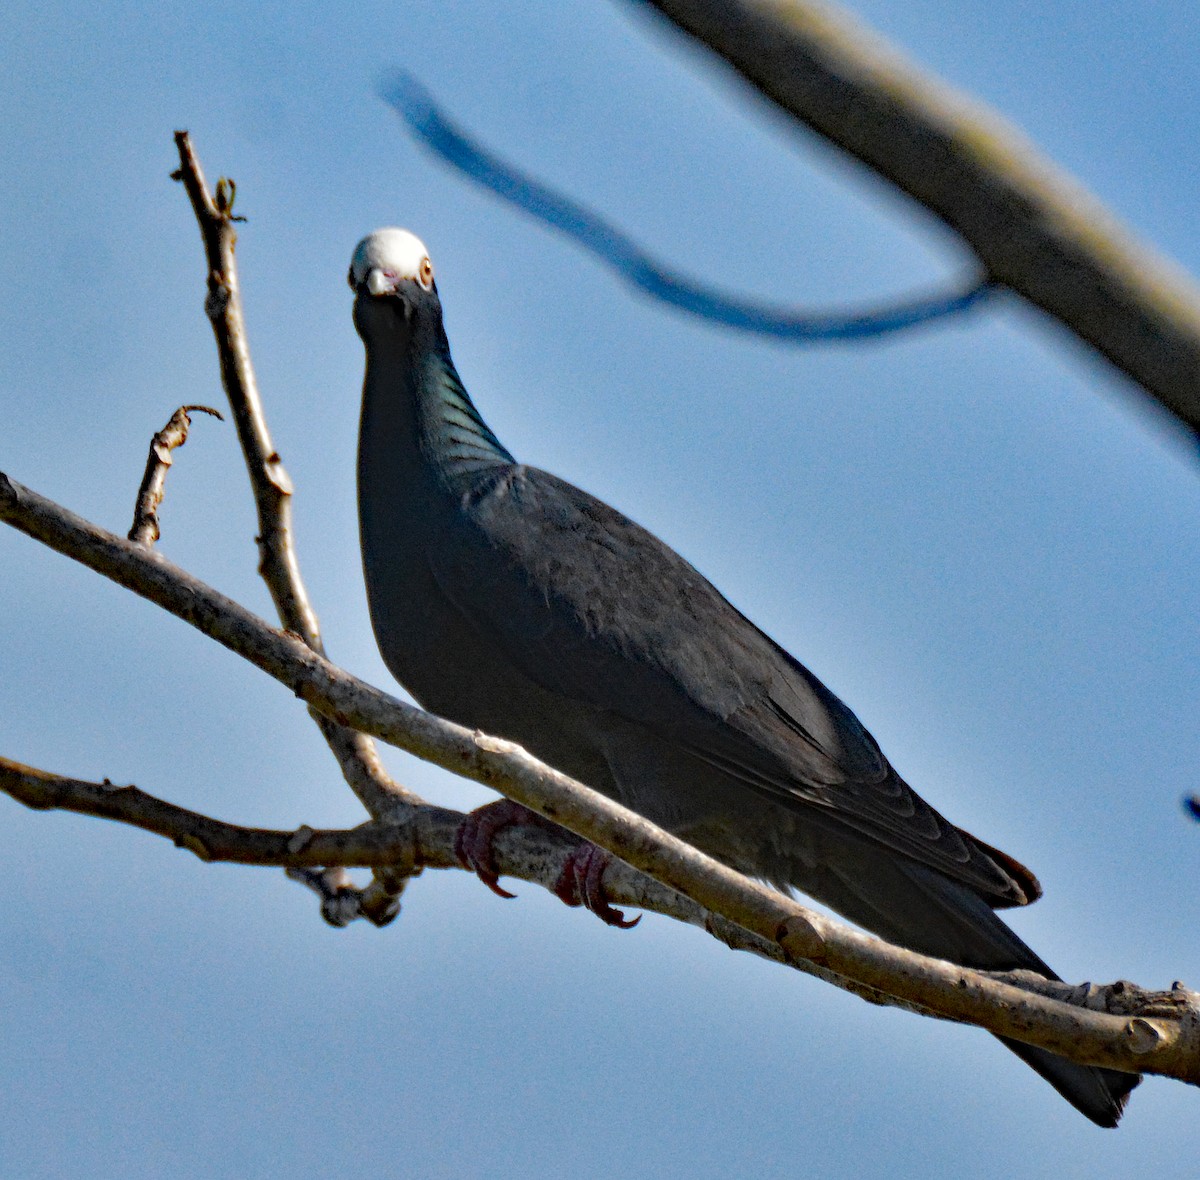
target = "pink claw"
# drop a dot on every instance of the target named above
(475, 835)
(581, 883)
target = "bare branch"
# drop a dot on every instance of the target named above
(278, 565)
(426, 839)
(1165, 1044)
(268, 477)
(210, 839)
(1033, 227)
(145, 529)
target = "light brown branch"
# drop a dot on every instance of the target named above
(1033, 227)
(426, 839)
(210, 839)
(1165, 1044)
(272, 487)
(145, 529)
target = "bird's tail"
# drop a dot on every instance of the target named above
(1100, 1094)
(927, 912)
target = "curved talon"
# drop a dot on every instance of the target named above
(492, 883)
(566, 888)
(474, 838)
(581, 883)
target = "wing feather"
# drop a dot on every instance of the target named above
(591, 606)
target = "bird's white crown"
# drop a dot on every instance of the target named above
(393, 252)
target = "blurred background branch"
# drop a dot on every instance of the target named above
(1032, 227)
(434, 128)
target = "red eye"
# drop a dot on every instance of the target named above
(425, 274)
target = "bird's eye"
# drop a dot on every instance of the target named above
(425, 274)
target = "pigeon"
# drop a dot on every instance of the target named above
(510, 601)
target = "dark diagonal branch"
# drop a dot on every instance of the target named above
(1033, 227)
(617, 250)
(1153, 1042)
(145, 529)
(272, 487)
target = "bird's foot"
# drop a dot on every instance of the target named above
(581, 883)
(581, 879)
(479, 829)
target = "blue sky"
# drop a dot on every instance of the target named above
(978, 535)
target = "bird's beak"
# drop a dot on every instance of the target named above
(381, 282)
(378, 282)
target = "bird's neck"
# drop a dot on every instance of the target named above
(418, 423)
(459, 438)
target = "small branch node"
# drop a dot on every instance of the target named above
(800, 939)
(216, 302)
(1144, 1035)
(225, 196)
(341, 903)
(278, 475)
(494, 745)
(342, 908)
(380, 901)
(301, 839)
(194, 844)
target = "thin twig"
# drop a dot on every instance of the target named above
(1034, 228)
(145, 530)
(210, 839)
(355, 752)
(1168, 1044)
(268, 477)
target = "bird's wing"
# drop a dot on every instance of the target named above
(594, 608)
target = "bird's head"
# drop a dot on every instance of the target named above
(392, 277)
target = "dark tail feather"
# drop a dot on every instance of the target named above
(919, 908)
(1100, 1094)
